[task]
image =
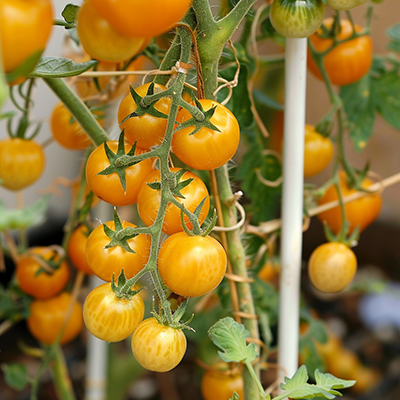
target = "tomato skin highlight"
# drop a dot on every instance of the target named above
(147, 130)
(142, 18)
(31, 20)
(361, 212)
(43, 285)
(47, 318)
(108, 187)
(104, 262)
(297, 19)
(207, 149)
(21, 163)
(148, 202)
(157, 347)
(191, 266)
(332, 267)
(109, 318)
(77, 249)
(216, 385)
(349, 61)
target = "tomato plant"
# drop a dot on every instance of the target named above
(37, 281)
(332, 267)
(210, 147)
(157, 347)
(111, 318)
(345, 4)
(21, 163)
(77, 249)
(346, 63)
(47, 318)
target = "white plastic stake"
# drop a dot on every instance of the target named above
(292, 204)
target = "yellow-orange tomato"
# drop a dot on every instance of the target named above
(66, 131)
(269, 271)
(157, 347)
(345, 4)
(108, 187)
(361, 212)
(111, 318)
(77, 249)
(346, 63)
(21, 163)
(47, 319)
(25, 28)
(217, 385)
(147, 130)
(41, 285)
(101, 40)
(366, 379)
(318, 151)
(332, 267)
(343, 364)
(148, 202)
(106, 261)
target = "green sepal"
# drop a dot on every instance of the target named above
(235, 396)
(183, 223)
(179, 185)
(154, 185)
(54, 265)
(211, 225)
(120, 290)
(15, 375)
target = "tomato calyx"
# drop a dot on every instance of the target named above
(194, 219)
(51, 264)
(174, 320)
(123, 288)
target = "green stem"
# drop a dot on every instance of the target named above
(78, 109)
(254, 376)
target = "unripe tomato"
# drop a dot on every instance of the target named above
(142, 18)
(191, 266)
(77, 249)
(66, 131)
(361, 212)
(318, 152)
(47, 318)
(147, 130)
(101, 40)
(106, 261)
(108, 187)
(297, 18)
(207, 149)
(345, 4)
(109, 318)
(346, 63)
(157, 347)
(25, 27)
(41, 285)
(332, 267)
(217, 385)
(148, 202)
(21, 163)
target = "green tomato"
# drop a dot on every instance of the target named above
(297, 18)
(345, 4)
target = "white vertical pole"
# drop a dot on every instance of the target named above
(292, 203)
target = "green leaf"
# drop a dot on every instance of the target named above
(24, 218)
(70, 13)
(310, 356)
(329, 381)
(393, 33)
(26, 67)
(14, 304)
(60, 67)
(15, 375)
(230, 337)
(267, 101)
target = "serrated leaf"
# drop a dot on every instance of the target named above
(230, 337)
(15, 375)
(23, 218)
(70, 13)
(59, 67)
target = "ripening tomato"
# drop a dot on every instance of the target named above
(157, 347)
(25, 28)
(207, 149)
(345, 4)
(147, 130)
(100, 39)
(47, 319)
(346, 63)
(343, 364)
(298, 18)
(76, 249)
(366, 378)
(361, 212)
(66, 131)
(148, 202)
(191, 266)
(21, 163)
(318, 152)
(108, 187)
(41, 285)
(217, 385)
(106, 261)
(332, 267)
(269, 271)
(142, 18)
(110, 318)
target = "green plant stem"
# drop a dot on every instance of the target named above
(78, 109)
(256, 380)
